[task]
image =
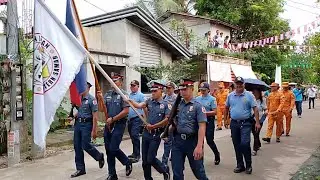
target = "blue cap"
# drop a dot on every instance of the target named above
(204, 86)
(184, 83)
(239, 80)
(116, 76)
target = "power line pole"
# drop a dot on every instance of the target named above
(12, 52)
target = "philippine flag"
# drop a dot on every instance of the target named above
(79, 84)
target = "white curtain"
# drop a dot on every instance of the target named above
(243, 71)
(219, 71)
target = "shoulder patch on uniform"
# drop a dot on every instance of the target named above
(203, 110)
(94, 102)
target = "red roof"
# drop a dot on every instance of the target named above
(3, 2)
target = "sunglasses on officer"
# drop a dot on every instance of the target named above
(133, 85)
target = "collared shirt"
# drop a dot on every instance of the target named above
(208, 102)
(241, 105)
(170, 100)
(88, 106)
(311, 92)
(289, 100)
(298, 94)
(157, 110)
(262, 106)
(275, 101)
(114, 103)
(189, 116)
(139, 98)
(221, 97)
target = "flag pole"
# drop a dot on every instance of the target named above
(76, 42)
(101, 105)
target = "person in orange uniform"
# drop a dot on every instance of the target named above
(221, 97)
(287, 107)
(275, 104)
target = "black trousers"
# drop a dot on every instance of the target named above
(256, 137)
(311, 100)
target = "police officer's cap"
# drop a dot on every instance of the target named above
(116, 76)
(204, 86)
(239, 80)
(89, 84)
(155, 86)
(184, 83)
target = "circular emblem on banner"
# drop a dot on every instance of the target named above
(47, 65)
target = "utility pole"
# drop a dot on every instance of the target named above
(13, 126)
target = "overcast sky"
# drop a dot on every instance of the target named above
(298, 12)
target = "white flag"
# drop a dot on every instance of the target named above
(278, 75)
(57, 59)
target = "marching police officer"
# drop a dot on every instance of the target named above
(135, 123)
(241, 103)
(117, 110)
(170, 98)
(86, 126)
(158, 113)
(209, 103)
(189, 135)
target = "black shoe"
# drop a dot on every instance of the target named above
(78, 173)
(128, 169)
(239, 170)
(278, 140)
(131, 156)
(282, 133)
(166, 176)
(217, 159)
(266, 139)
(218, 129)
(112, 177)
(287, 135)
(249, 170)
(134, 159)
(101, 161)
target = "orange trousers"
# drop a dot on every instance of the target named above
(288, 117)
(220, 115)
(274, 119)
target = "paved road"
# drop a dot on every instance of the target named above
(274, 161)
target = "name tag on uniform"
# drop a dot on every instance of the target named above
(169, 106)
(191, 108)
(86, 102)
(118, 97)
(161, 106)
(108, 97)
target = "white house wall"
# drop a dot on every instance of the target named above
(3, 44)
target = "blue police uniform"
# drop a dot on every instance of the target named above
(157, 111)
(209, 103)
(186, 138)
(112, 139)
(241, 122)
(82, 132)
(134, 124)
(168, 144)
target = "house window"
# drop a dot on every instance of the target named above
(144, 82)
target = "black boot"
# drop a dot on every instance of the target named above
(78, 173)
(101, 161)
(128, 169)
(217, 159)
(112, 177)
(239, 169)
(266, 139)
(249, 170)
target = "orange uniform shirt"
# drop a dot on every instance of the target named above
(289, 101)
(221, 97)
(275, 101)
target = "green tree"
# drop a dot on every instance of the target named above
(158, 7)
(256, 18)
(314, 40)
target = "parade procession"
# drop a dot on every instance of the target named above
(178, 90)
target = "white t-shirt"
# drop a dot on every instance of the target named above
(311, 92)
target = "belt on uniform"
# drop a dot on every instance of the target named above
(154, 131)
(244, 120)
(83, 120)
(187, 136)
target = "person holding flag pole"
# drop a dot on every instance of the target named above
(51, 80)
